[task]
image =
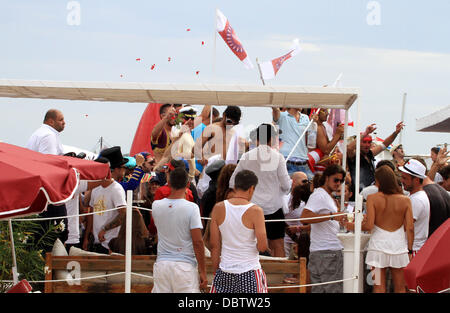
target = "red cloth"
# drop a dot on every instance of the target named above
(162, 193)
(29, 180)
(143, 135)
(429, 270)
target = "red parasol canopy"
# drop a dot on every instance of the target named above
(30, 180)
(429, 270)
(143, 135)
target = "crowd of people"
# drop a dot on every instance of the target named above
(206, 187)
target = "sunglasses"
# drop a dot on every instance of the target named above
(305, 181)
(189, 118)
(336, 180)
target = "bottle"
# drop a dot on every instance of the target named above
(312, 136)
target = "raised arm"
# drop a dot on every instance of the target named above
(441, 160)
(351, 147)
(389, 140)
(322, 142)
(160, 125)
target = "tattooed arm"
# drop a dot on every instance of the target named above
(117, 221)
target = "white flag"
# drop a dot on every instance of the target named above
(229, 36)
(270, 68)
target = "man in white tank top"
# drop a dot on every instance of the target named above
(237, 235)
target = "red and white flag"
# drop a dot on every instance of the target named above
(270, 68)
(229, 36)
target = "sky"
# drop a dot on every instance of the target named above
(386, 48)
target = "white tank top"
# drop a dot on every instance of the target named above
(239, 252)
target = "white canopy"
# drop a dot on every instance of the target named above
(240, 95)
(438, 121)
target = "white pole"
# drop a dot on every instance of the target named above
(214, 48)
(13, 251)
(344, 157)
(128, 241)
(299, 139)
(260, 73)
(358, 198)
(403, 117)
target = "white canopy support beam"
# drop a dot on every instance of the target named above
(194, 94)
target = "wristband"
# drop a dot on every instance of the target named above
(410, 252)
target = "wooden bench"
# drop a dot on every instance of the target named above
(275, 271)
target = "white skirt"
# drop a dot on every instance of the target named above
(387, 249)
(380, 259)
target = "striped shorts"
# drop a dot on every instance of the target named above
(253, 281)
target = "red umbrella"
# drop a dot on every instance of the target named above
(429, 270)
(30, 180)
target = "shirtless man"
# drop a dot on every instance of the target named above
(216, 137)
(323, 143)
(161, 133)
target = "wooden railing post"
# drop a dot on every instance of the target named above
(303, 274)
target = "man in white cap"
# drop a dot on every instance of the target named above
(413, 174)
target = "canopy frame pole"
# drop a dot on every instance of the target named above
(402, 118)
(128, 239)
(344, 158)
(358, 197)
(260, 73)
(300, 138)
(13, 252)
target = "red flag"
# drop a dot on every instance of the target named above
(229, 36)
(270, 68)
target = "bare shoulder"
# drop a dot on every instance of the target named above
(255, 209)
(218, 207)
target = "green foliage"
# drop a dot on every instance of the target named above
(31, 240)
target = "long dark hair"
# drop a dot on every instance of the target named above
(299, 193)
(223, 182)
(387, 181)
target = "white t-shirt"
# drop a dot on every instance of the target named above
(421, 214)
(46, 140)
(174, 219)
(323, 235)
(294, 214)
(103, 199)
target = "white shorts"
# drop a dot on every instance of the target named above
(175, 277)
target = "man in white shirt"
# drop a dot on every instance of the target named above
(413, 174)
(180, 265)
(105, 223)
(273, 182)
(325, 258)
(46, 138)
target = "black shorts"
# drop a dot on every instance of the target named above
(275, 230)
